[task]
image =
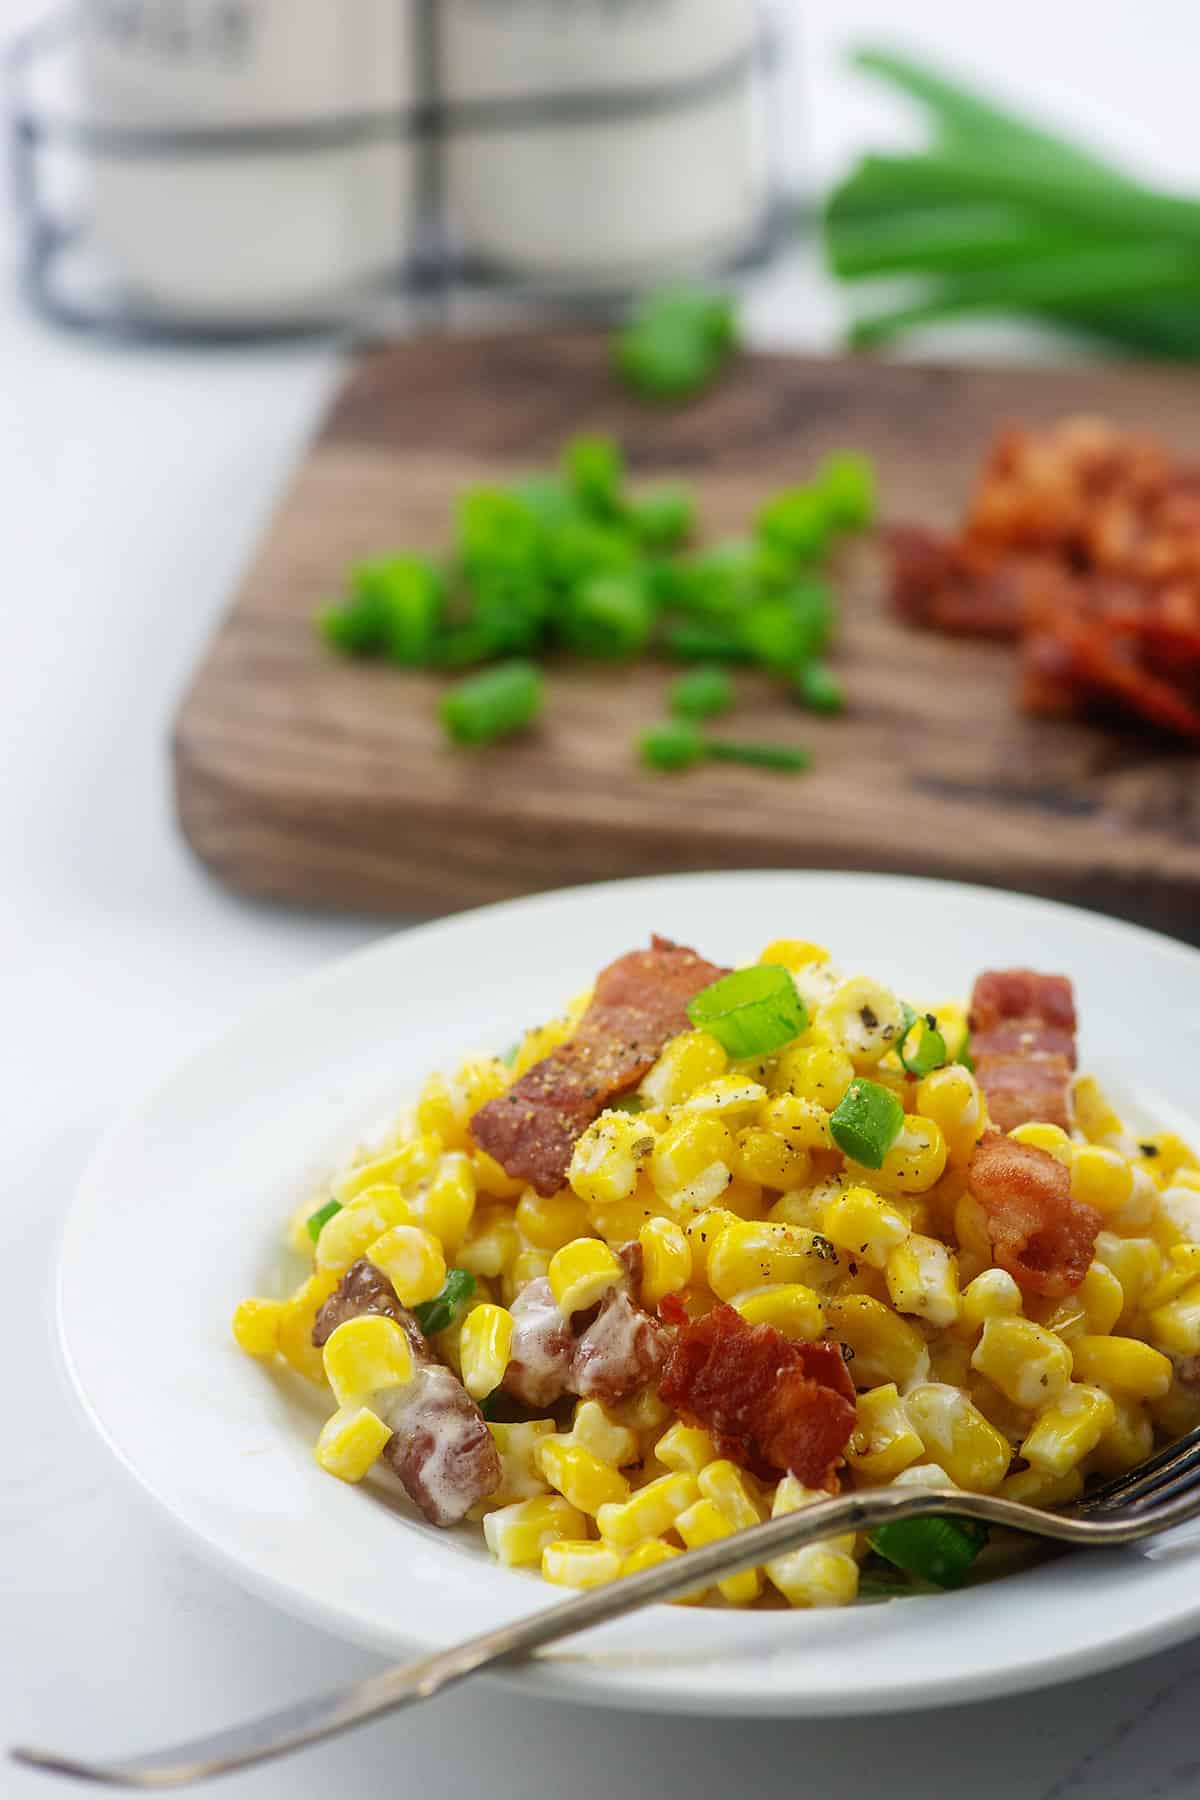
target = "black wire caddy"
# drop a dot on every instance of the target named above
(55, 149)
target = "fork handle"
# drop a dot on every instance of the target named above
(277, 1733)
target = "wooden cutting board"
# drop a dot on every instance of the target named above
(300, 777)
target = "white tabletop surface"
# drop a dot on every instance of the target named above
(134, 487)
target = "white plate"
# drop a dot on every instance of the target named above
(180, 1216)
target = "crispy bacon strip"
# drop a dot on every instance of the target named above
(772, 1405)
(639, 1004)
(1023, 1043)
(440, 1446)
(1043, 1237)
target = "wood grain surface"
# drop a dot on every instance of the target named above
(300, 777)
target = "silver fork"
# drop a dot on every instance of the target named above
(1161, 1492)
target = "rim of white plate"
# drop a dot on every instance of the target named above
(224, 1449)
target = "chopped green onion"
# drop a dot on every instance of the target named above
(316, 1221)
(510, 1055)
(784, 633)
(547, 499)
(879, 1580)
(595, 469)
(609, 615)
(676, 343)
(492, 705)
(751, 1012)
(627, 1103)
(818, 688)
(675, 745)
(866, 1122)
(847, 483)
(664, 519)
(705, 643)
(496, 530)
(965, 1058)
(940, 1551)
(446, 1307)
(406, 594)
(583, 547)
(355, 628)
(797, 522)
(702, 694)
(784, 757)
(930, 1051)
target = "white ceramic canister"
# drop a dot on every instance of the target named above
(630, 197)
(250, 235)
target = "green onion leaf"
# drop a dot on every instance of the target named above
(354, 628)
(493, 705)
(595, 470)
(663, 519)
(784, 633)
(675, 745)
(787, 758)
(751, 1012)
(608, 615)
(705, 643)
(965, 1058)
(928, 1051)
(676, 342)
(797, 522)
(321, 1217)
(406, 595)
(818, 688)
(866, 1122)
(446, 1307)
(940, 1551)
(702, 694)
(846, 482)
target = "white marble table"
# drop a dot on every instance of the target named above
(133, 488)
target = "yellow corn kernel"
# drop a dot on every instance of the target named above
(789, 1306)
(1102, 1298)
(413, 1262)
(520, 1476)
(950, 1359)
(723, 1483)
(296, 1235)
(650, 1512)
(951, 1017)
(1100, 1177)
(575, 1564)
(916, 1160)
(406, 1166)
(922, 1279)
(579, 1476)
(1069, 1430)
(518, 1534)
(1123, 1365)
(483, 1348)
(1178, 1216)
(351, 1232)
(753, 1254)
(992, 1295)
(793, 953)
(884, 1441)
(1164, 1153)
(1175, 1327)
(582, 1272)
(643, 1413)
(1010, 1421)
(804, 1206)
(526, 1266)
(802, 1124)
(648, 1556)
(791, 1495)
(1051, 1138)
(685, 1447)
(818, 1073)
(951, 1098)
(447, 1205)
(492, 1243)
(1034, 1487)
(744, 1199)
(863, 1019)
(440, 1109)
(608, 1440)
(1137, 1262)
(702, 1232)
(688, 1061)
(1178, 1412)
(729, 1096)
(972, 1236)
(547, 1222)
(296, 1325)
(703, 1523)
(692, 1164)
(1128, 1441)
(815, 1576)
(666, 1259)
(1028, 1364)
(1182, 1268)
(866, 1226)
(885, 1346)
(539, 1042)
(256, 1326)
(1093, 1112)
(365, 1355)
(958, 1437)
(350, 1442)
(767, 1158)
(620, 1222)
(491, 1179)
(609, 1157)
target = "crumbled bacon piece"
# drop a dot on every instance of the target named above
(1023, 1045)
(639, 1004)
(542, 1350)
(620, 1351)
(1042, 1236)
(771, 1404)
(604, 1354)
(440, 1446)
